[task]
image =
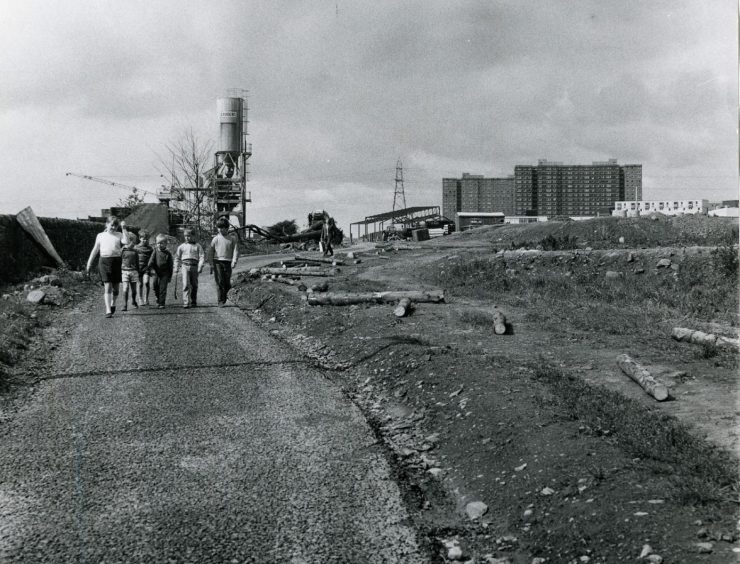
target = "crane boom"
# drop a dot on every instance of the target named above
(111, 183)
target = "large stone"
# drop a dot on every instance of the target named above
(476, 509)
(664, 263)
(53, 295)
(35, 296)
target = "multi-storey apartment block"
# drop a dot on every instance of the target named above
(475, 193)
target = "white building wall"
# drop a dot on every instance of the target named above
(666, 207)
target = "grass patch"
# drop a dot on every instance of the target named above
(579, 294)
(700, 473)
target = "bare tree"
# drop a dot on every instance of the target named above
(186, 162)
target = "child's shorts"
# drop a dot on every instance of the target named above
(129, 276)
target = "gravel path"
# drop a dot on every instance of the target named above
(192, 436)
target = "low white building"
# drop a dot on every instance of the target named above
(632, 208)
(725, 212)
(516, 219)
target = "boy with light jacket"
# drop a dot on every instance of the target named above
(190, 258)
(225, 254)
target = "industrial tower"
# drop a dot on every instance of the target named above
(399, 195)
(230, 169)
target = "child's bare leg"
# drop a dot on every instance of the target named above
(107, 296)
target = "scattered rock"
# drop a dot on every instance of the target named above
(547, 491)
(476, 509)
(538, 560)
(520, 468)
(654, 558)
(613, 275)
(436, 472)
(664, 263)
(621, 240)
(491, 559)
(646, 549)
(704, 547)
(35, 296)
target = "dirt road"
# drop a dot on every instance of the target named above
(192, 436)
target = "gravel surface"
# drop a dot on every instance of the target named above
(192, 436)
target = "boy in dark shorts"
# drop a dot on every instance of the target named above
(160, 265)
(225, 254)
(144, 250)
(129, 271)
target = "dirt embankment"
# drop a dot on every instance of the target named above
(30, 329)
(573, 461)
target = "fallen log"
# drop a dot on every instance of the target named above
(403, 308)
(499, 323)
(418, 296)
(642, 376)
(300, 285)
(310, 271)
(332, 261)
(705, 339)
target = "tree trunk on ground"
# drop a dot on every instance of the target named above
(419, 296)
(641, 375)
(310, 271)
(705, 339)
(300, 285)
(333, 262)
(403, 308)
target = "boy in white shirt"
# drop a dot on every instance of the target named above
(225, 254)
(108, 245)
(191, 258)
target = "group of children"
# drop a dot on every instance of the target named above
(123, 261)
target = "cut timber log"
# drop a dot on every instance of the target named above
(310, 271)
(640, 374)
(418, 296)
(300, 285)
(706, 339)
(333, 262)
(403, 308)
(499, 323)
(31, 225)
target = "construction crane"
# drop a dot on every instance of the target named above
(111, 183)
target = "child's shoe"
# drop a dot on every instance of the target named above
(124, 308)
(136, 306)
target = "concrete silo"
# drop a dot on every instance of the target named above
(232, 155)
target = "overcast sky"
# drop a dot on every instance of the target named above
(340, 89)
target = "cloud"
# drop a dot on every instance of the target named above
(336, 98)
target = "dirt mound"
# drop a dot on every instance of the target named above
(152, 217)
(605, 232)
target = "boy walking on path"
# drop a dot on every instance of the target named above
(129, 271)
(225, 254)
(160, 265)
(144, 251)
(191, 258)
